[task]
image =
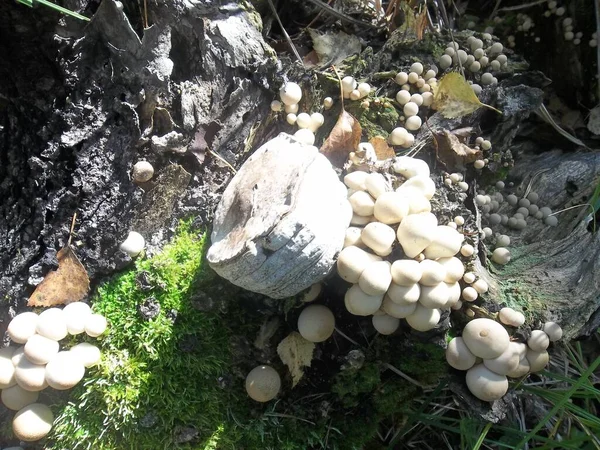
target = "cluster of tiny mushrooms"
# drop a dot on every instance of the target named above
(39, 362)
(392, 210)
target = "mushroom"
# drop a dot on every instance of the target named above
(509, 316)
(76, 314)
(521, 370)
(416, 232)
(485, 384)
(469, 277)
(433, 273)
(458, 354)
(553, 330)
(52, 324)
(378, 236)
(420, 183)
(88, 354)
(352, 261)
(362, 203)
(423, 319)
(290, 93)
(397, 310)
(95, 325)
(391, 207)
(142, 171)
(406, 272)
(352, 237)
(316, 323)
(385, 324)
(507, 362)
(454, 269)
(404, 295)
(486, 338)
(434, 296)
(453, 294)
(446, 243)
(501, 256)
(410, 167)
(134, 244)
(538, 341)
(7, 369)
(481, 286)
(376, 184)
(361, 304)
(29, 376)
(22, 327)
(64, 371)
(356, 180)
(263, 384)
(311, 294)
(305, 136)
(39, 349)
(537, 360)
(16, 398)
(469, 294)
(18, 355)
(33, 422)
(303, 120)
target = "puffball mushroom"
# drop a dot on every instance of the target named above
(454, 293)
(469, 294)
(18, 355)
(399, 311)
(485, 384)
(391, 208)
(404, 295)
(64, 371)
(486, 338)
(39, 349)
(16, 398)
(76, 314)
(454, 269)
(362, 203)
(375, 184)
(316, 323)
(385, 324)
(356, 180)
(434, 296)
(406, 272)
(506, 363)
(410, 167)
(376, 278)
(378, 236)
(360, 303)
(133, 245)
(509, 316)
(423, 319)
(305, 136)
(88, 354)
(311, 295)
(22, 327)
(352, 261)
(481, 286)
(416, 232)
(52, 324)
(553, 330)
(521, 370)
(33, 422)
(537, 360)
(142, 171)
(501, 256)
(458, 354)
(290, 93)
(538, 341)
(433, 273)
(7, 369)
(446, 243)
(352, 237)
(420, 183)
(31, 377)
(95, 325)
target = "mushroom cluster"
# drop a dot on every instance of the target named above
(39, 362)
(489, 354)
(401, 263)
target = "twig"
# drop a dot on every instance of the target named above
(340, 15)
(447, 20)
(535, 175)
(287, 36)
(341, 88)
(524, 6)
(344, 335)
(403, 375)
(216, 155)
(288, 416)
(597, 8)
(571, 207)
(72, 228)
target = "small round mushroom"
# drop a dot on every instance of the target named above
(52, 324)
(352, 237)
(16, 398)
(521, 370)
(360, 303)
(352, 261)
(410, 167)
(142, 171)
(413, 123)
(397, 310)
(486, 338)
(376, 184)
(406, 272)
(316, 323)
(76, 314)
(467, 250)
(376, 278)
(509, 316)
(537, 360)
(423, 319)
(276, 106)
(385, 324)
(434, 296)
(303, 120)
(391, 208)
(420, 183)
(64, 371)
(469, 294)
(33, 422)
(31, 377)
(7, 369)
(263, 384)
(501, 256)
(469, 277)
(133, 245)
(39, 349)
(433, 273)
(305, 136)
(446, 243)
(362, 203)
(88, 354)
(95, 325)
(538, 341)
(378, 236)
(356, 180)
(22, 327)
(553, 330)
(454, 269)
(291, 118)
(485, 384)
(290, 93)
(481, 286)
(416, 233)
(458, 354)
(311, 294)
(507, 362)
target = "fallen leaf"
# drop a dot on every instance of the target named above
(69, 283)
(343, 139)
(453, 97)
(382, 149)
(453, 151)
(421, 24)
(332, 48)
(296, 352)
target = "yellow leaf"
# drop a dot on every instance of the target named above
(453, 97)
(296, 353)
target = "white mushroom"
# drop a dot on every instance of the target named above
(410, 167)
(435, 296)
(538, 341)
(522, 369)
(134, 244)
(454, 269)
(52, 324)
(537, 360)
(7, 369)
(376, 184)
(501, 256)
(316, 323)
(378, 236)
(33, 422)
(263, 384)
(420, 183)
(423, 319)
(142, 171)
(507, 362)
(446, 243)
(399, 311)
(406, 272)
(352, 237)
(458, 354)
(361, 304)
(454, 293)
(64, 371)
(469, 294)
(18, 355)
(290, 93)
(416, 232)
(305, 136)
(481, 286)
(486, 338)
(362, 203)
(391, 207)
(88, 354)
(376, 278)
(404, 295)
(352, 261)
(39, 349)
(509, 316)
(95, 325)
(433, 273)
(76, 314)
(553, 330)
(385, 324)
(16, 398)
(485, 384)
(31, 377)
(22, 327)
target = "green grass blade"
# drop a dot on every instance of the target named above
(482, 436)
(55, 7)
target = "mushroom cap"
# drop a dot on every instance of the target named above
(7, 369)
(64, 371)
(423, 319)
(416, 232)
(433, 273)
(469, 294)
(538, 341)
(362, 203)
(290, 93)
(385, 324)
(537, 360)
(376, 184)
(263, 384)
(360, 303)
(52, 324)
(33, 422)
(378, 236)
(95, 325)
(420, 183)
(142, 171)
(481, 286)
(352, 261)
(454, 269)
(316, 323)
(39, 349)
(357, 180)
(88, 354)
(376, 278)
(509, 316)
(485, 384)
(404, 295)
(391, 207)
(399, 311)
(352, 237)
(507, 362)
(458, 354)
(311, 294)
(521, 370)
(553, 330)
(410, 167)
(406, 272)
(18, 355)
(446, 243)
(31, 377)
(133, 244)
(454, 293)
(16, 398)
(22, 327)
(75, 315)
(486, 338)
(501, 256)
(435, 296)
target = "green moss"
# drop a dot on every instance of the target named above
(351, 384)
(376, 120)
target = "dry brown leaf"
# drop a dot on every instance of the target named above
(69, 283)
(382, 149)
(343, 139)
(452, 150)
(421, 24)
(453, 97)
(296, 353)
